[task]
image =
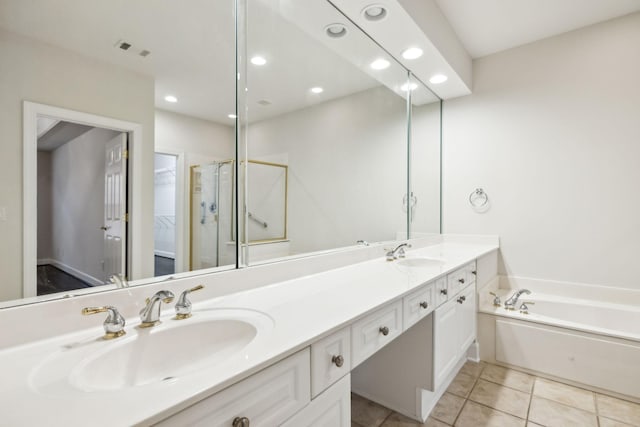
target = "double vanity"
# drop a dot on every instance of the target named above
(287, 349)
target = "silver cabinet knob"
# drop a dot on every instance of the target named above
(461, 281)
(384, 331)
(338, 361)
(475, 273)
(240, 422)
(424, 304)
(460, 300)
(443, 291)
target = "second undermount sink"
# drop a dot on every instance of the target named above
(160, 354)
(420, 262)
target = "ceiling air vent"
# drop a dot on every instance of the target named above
(130, 48)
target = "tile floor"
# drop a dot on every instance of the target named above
(485, 395)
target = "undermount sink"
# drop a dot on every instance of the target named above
(420, 262)
(164, 353)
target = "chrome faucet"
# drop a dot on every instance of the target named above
(150, 314)
(510, 304)
(113, 324)
(397, 252)
(119, 280)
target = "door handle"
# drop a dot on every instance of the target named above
(105, 227)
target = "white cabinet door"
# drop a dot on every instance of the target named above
(332, 408)
(467, 315)
(266, 399)
(330, 360)
(446, 340)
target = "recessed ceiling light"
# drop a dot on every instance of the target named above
(408, 86)
(374, 12)
(412, 53)
(438, 78)
(170, 98)
(317, 89)
(258, 60)
(336, 31)
(380, 64)
(232, 116)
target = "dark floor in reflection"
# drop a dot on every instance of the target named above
(52, 280)
(164, 266)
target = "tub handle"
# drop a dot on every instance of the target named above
(496, 299)
(524, 309)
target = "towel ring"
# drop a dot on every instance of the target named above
(478, 198)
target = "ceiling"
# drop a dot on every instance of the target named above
(489, 26)
(192, 45)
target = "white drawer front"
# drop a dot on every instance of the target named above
(440, 291)
(330, 360)
(367, 334)
(456, 281)
(417, 305)
(472, 272)
(267, 398)
(332, 408)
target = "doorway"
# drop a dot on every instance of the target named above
(81, 205)
(164, 213)
(113, 193)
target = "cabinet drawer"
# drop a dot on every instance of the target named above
(326, 355)
(472, 272)
(456, 281)
(417, 305)
(440, 291)
(332, 408)
(267, 398)
(368, 334)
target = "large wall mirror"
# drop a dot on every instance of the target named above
(121, 122)
(325, 100)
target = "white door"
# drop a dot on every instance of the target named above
(446, 341)
(115, 204)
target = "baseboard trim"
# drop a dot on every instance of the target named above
(92, 281)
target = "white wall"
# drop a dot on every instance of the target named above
(38, 72)
(552, 133)
(347, 168)
(77, 196)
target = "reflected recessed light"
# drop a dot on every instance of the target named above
(170, 98)
(412, 53)
(336, 31)
(380, 64)
(374, 12)
(408, 86)
(317, 90)
(232, 116)
(438, 78)
(258, 60)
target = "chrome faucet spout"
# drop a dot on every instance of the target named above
(510, 304)
(150, 314)
(397, 252)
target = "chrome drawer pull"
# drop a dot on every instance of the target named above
(443, 291)
(384, 330)
(424, 304)
(240, 422)
(338, 361)
(461, 281)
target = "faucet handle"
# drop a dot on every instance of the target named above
(496, 299)
(524, 309)
(113, 324)
(183, 306)
(401, 253)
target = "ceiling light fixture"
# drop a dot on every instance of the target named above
(408, 86)
(171, 98)
(258, 60)
(380, 64)
(374, 12)
(412, 53)
(232, 116)
(336, 31)
(317, 89)
(438, 78)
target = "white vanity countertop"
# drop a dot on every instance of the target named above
(302, 310)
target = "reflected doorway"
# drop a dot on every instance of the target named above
(81, 205)
(164, 214)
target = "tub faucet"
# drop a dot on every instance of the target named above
(510, 304)
(397, 252)
(150, 314)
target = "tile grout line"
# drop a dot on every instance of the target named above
(533, 389)
(466, 399)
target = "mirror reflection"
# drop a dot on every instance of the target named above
(119, 122)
